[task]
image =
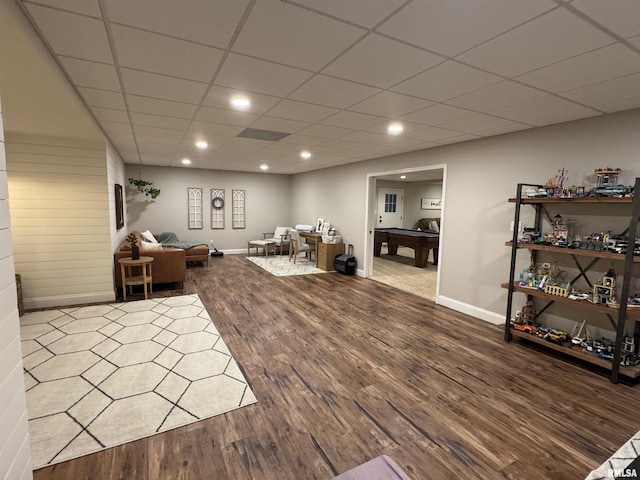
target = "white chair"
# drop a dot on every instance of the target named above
(280, 237)
(297, 246)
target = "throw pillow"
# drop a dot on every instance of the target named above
(148, 236)
(146, 246)
(433, 225)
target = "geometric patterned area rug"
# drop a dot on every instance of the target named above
(625, 463)
(280, 266)
(100, 376)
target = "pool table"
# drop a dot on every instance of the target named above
(419, 240)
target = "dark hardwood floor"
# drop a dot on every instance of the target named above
(346, 369)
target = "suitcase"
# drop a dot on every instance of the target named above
(346, 263)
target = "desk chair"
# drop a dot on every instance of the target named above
(297, 246)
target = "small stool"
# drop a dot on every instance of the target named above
(144, 278)
(265, 245)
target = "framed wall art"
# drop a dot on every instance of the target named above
(195, 208)
(431, 204)
(217, 208)
(237, 208)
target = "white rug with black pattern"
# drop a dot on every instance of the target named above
(100, 376)
(281, 266)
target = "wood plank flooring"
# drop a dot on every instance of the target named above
(346, 369)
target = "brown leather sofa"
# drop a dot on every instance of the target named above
(169, 264)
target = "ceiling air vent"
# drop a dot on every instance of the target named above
(258, 134)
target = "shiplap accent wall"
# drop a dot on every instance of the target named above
(60, 218)
(15, 453)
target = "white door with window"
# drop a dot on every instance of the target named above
(390, 208)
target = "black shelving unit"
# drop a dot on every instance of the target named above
(616, 317)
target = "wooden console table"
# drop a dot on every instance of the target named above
(129, 279)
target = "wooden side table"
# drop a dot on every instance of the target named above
(327, 253)
(129, 279)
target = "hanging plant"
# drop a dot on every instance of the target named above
(140, 183)
(152, 192)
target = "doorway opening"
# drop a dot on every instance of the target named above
(419, 193)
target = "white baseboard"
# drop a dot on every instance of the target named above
(66, 300)
(476, 312)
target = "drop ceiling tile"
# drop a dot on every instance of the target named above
(117, 128)
(220, 97)
(374, 151)
(272, 24)
(160, 107)
(332, 92)
(245, 145)
(431, 24)
(512, 127)
(158, 132)
(304, 112)
(352, 120)
(550, 38)
(156, 159)
(324, 131)
(381, 62)
(367, 13)
(91, 74)
(165, 55)
(446, 81)
(227, 117)
(622, 17)
(364, 137)
(253, 75)
(399, 142)
(84, 7)
(203, 21)
(496, 96)
(618, 106)
(110, 115)
(215, 128)
(102, 98)
(635, 41)
(302, 140)
(279, 124)
(604, 64)
(458, 139)
(437, 115)
(153, 142)
(383, 127)
(545, 111)
(390, 104)
(159, 86)
(73, 35)
(144, 119)
(603, 94)
(432, 134)
(341, 144)
(478, 123)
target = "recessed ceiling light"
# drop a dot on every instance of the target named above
(241, 103)
(186, 161)
(395, 129)
(403, 177)
(306, 155)
(264, 167)
(202, 144)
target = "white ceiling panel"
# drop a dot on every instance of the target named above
(162, 87)
(390, 104)
(211, 22)
(252, 75)
(496, 96)
(381, 62)
(62, 29)
(165, 55)
(301, 111)
(366, 13)
(553, 37)
(91, 74)
(447, 80)
(593, 67)
(228, 117)
(453, 26)
(155, 106)
(334, 92)
(102, 98)
(272, 24)
(622, 16)
(545, 111)
(332, 73)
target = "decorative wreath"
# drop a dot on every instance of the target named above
(217, 203)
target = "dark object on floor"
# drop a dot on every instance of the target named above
(380, 468)
(345, 264)
(213, 251)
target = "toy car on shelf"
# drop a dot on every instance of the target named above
(556, 336)
(525, 327)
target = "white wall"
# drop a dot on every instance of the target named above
(15, 453)
(267, 203)
(60, 217)
(414, 192)
(481, 176)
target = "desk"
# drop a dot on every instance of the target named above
(316, 238)
(144, 278)
(420, 241)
